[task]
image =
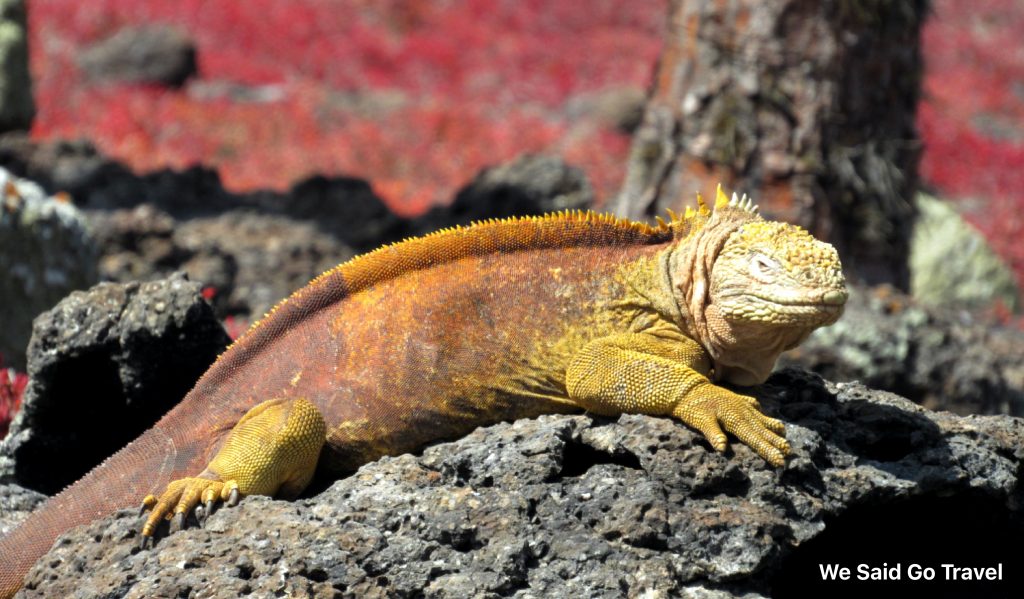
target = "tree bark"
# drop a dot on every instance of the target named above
(808, 105)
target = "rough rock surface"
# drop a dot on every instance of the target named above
(577, 506)
(157, 54)
(45, 253)
(16, 502)
(104, 365)
(268, 257)
(249, 259)
(943, 359)
(17, 108)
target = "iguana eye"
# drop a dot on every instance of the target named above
(761, 266)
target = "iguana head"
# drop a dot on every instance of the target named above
(750, 288)
(777, 274)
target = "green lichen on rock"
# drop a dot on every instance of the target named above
(952, 265)
(46, 252)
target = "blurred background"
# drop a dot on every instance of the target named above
(255, 144)
(413, 96)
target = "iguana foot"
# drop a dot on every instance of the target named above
(272, 450)
(710, 408)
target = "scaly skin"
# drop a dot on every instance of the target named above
(429, 338)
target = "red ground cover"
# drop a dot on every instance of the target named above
(414, 95)
(12, 387)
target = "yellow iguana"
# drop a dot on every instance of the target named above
(431, 337)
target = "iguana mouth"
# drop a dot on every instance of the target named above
(834, 297)
(819, 305)
(790, 309)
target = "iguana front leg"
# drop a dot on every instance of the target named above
(272, 450)
(665, 373)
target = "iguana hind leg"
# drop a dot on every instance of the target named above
(272, 450)
(664, 373)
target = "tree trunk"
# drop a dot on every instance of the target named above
(807, 105)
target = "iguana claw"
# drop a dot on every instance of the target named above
(207, 511)
(177, 522)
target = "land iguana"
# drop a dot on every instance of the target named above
(428, 338)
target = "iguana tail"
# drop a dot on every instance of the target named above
(168, 451)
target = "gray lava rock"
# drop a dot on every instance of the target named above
(259, 259)
(104, 365)
(96, 182)
(16, 503)
(158, 54)
(574, 506)
(251, 260)
(531, 184)
(343, 207)
(942, 359)
(17, 108)
(137, 244)
(46, 252)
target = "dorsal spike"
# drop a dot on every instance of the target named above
(661, 222)
(746, 204)
(701, 206)
(672, 215)
(721, 200)
(690, 213)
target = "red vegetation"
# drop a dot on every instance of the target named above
(972, 116)
(414, 95)
(12, 387)
(235, 326)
